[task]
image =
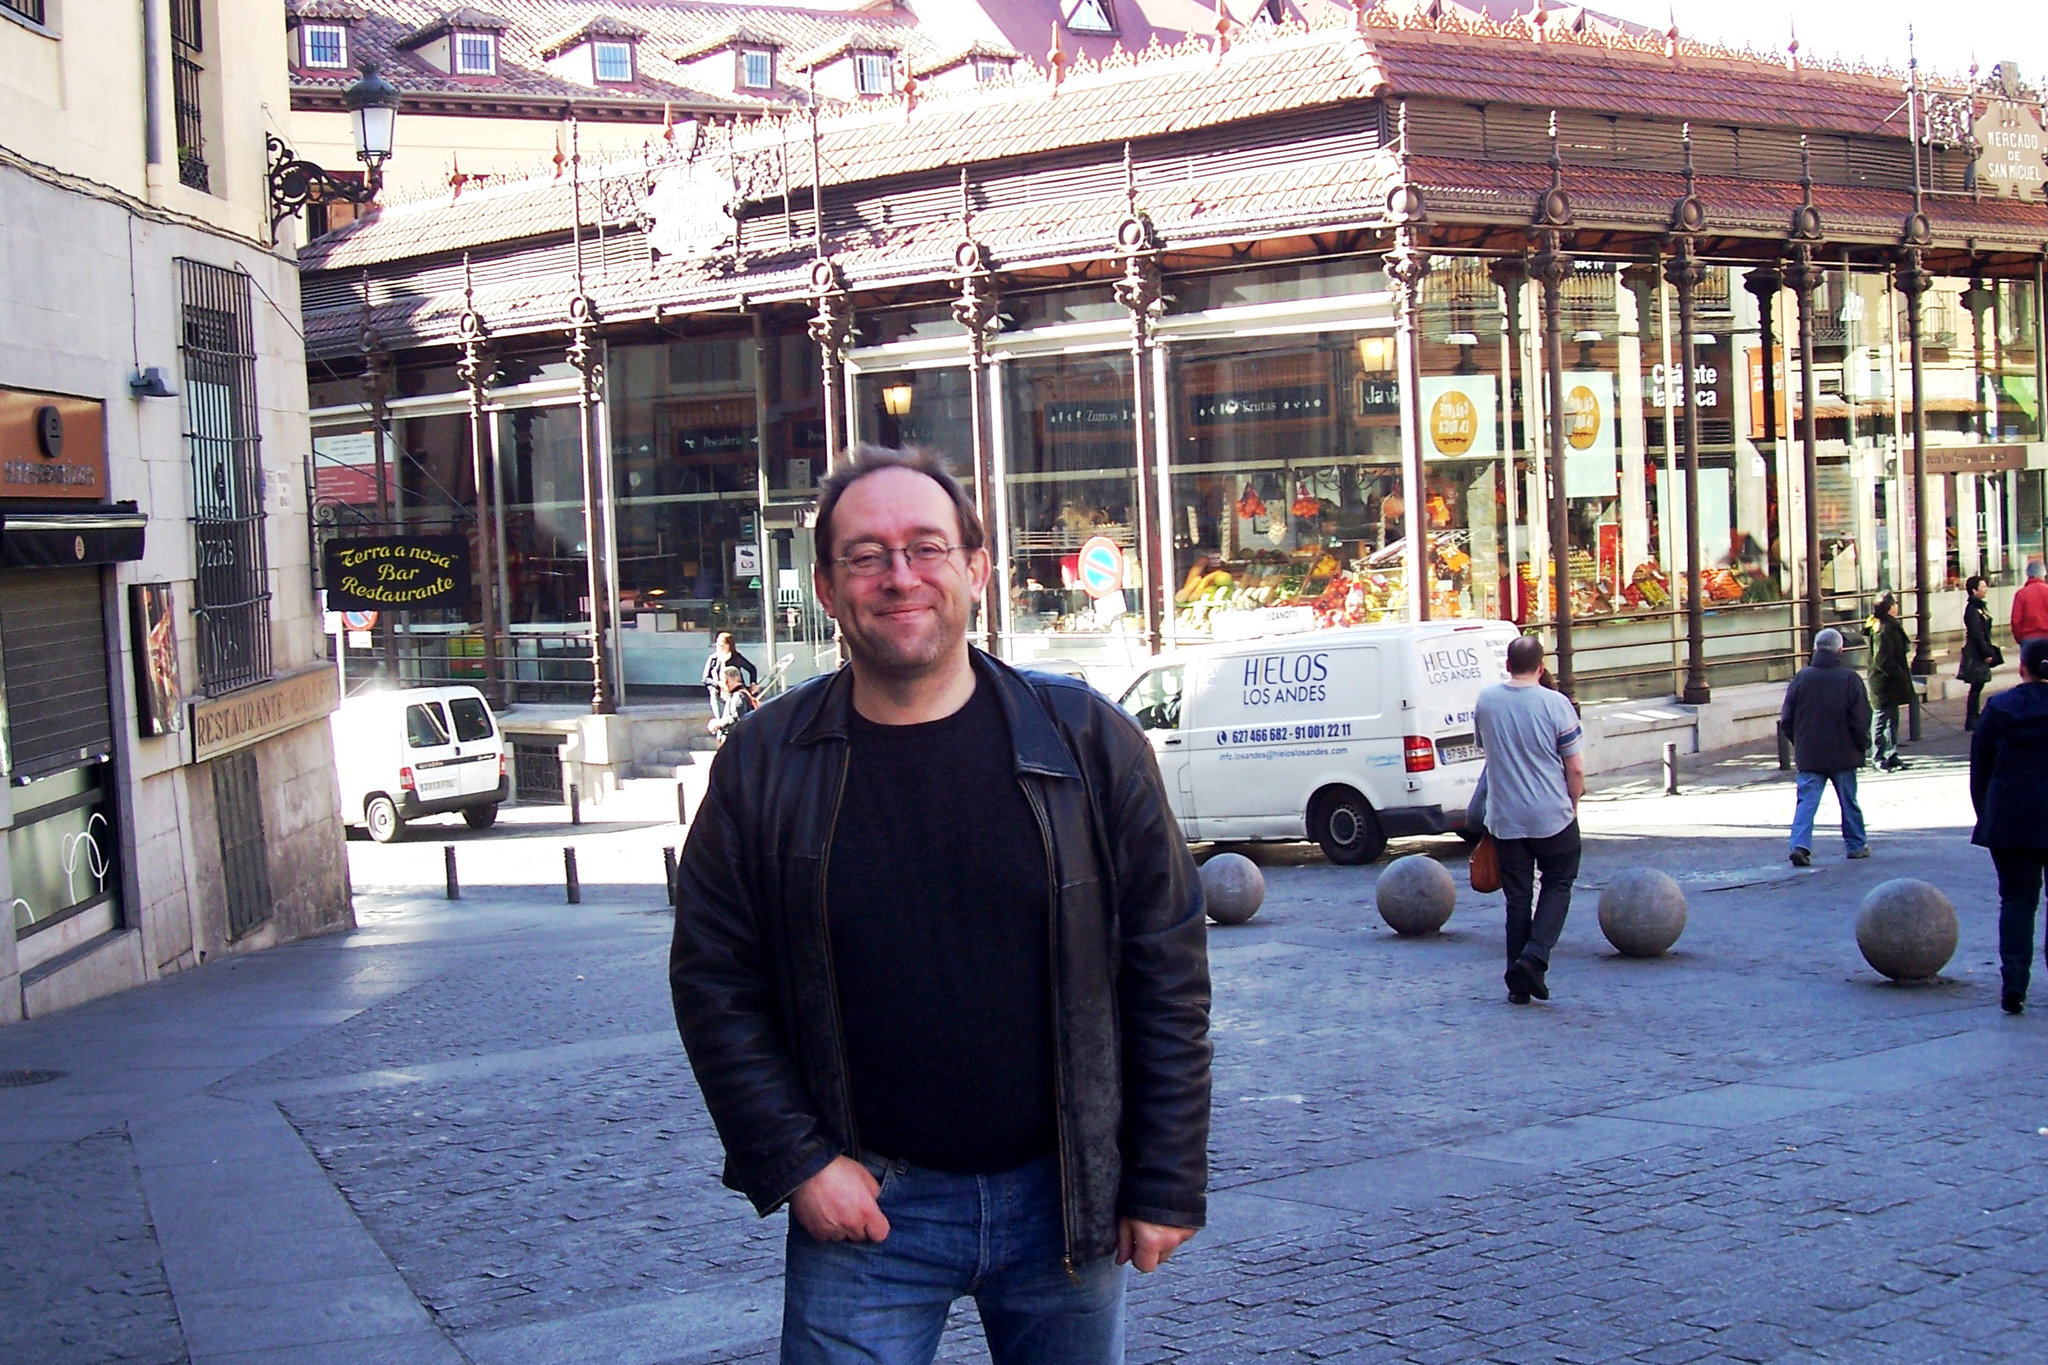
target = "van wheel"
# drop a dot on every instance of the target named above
(381, 815)
(480, 817)
(1346, 828)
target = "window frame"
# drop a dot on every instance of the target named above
(340, 32)
(871, 59)
(1101, 7)
(598, 47)
(988, 69)
(30, 14)
(767, 56)
(460, 36)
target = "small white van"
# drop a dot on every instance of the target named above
(1348, 737)
(418, 751)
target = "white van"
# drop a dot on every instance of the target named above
(418, 751)
(1348, 737)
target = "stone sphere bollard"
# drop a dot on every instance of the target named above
(1233, 888)
(1415, 895)
(1642, 912)
(1906, 929)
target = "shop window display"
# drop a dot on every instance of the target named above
(927, 408)
(1070, 476)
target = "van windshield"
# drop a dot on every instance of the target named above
(424, 728)
(472, 719)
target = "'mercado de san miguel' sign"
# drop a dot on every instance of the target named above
(386, 573)
(2013, 150)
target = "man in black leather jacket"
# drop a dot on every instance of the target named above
(941, 968)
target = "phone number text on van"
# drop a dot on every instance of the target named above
(1282, 734)
(1277, 679)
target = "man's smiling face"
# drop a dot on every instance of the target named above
(906, 621)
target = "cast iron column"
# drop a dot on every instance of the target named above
(1912, 282)
(1407, 265)
(1141, 291)
(1803, 277)
(376, 382)
(831, 328)
(474, 368)
(585, 355)
(1550, 267)
(975, 310)
(1763, 283)
(1685, 272)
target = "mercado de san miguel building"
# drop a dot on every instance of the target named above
(1404, 315)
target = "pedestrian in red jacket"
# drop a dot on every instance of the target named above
(2030, 606)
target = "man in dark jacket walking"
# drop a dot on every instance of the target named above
(2008, 755)
(1891, 680)
(1826, 716)
(941, 968)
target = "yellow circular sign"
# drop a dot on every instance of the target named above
(1582, 418)
(1453, 423)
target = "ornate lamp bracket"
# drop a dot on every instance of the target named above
(296, 182)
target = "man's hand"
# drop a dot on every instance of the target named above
(838, 1204)
(1147, 1245)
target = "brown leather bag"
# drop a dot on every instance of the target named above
(1484, 867)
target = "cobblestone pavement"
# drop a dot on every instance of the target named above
(467, 1131)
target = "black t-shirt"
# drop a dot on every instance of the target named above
(940, 915)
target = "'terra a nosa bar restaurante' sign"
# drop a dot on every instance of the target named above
(386, 573)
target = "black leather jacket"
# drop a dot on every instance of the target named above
(751, 965)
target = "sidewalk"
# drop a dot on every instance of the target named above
(467, 1132)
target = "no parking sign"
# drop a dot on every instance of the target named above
(1101, 567)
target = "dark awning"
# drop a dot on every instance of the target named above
(61, 537)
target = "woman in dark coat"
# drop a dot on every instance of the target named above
(2007, 757)
(1891, 682)
(1980, 655)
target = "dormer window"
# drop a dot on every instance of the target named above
(476, 54)
(612, 61)
(323, 47)
(1091, 16)
(873, 72)
(757, 68)
(988, 69)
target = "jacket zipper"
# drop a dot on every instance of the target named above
(831, 970)
(1059, 1118)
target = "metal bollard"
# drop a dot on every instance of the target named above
(682, 806)
(1670, 767)
(448, 862)
(575, 886)
(1913, 712)
(668, 873)
(575, 804)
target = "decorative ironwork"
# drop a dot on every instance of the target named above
(296, 182)
(188, 40)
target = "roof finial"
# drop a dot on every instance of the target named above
(456, 180)
(1057, 60)
(1225, 27)
(1359, 10)
(668, 122)
(1792, 48)
(1688, 159)
(1539, 20)
(1671, 34)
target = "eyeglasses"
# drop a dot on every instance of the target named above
(868, 559)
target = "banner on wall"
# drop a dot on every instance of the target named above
(1460, 417)
(1592, 462)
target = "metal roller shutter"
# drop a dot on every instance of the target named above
(53, 642)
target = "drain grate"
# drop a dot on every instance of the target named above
(11, 1079)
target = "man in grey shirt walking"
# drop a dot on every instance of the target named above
(1534, 778)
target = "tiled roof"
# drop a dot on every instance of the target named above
(597, 26)
(670, 32)
(715, 40)
(952, 57)
(340, 10)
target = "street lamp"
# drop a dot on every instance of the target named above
(896, 399)
(1376, 353)
(372, 104)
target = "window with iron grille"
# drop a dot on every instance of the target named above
(614, 62)
(757, 68)
(476, 54)
(873, 72)
(231, 577)
(31, 10)
(326, 46)
(188, 43)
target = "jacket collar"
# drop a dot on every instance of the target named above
(1039, 747)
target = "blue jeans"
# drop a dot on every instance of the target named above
(1811, 785)
(997, 1237)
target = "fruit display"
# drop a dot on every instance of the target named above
(1337, 591)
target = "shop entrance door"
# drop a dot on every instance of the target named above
(803, 632)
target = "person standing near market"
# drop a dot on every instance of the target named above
(941, 968)
(2030, 606)
(1826, 719)
(725, 654)
(1980, 653)
(1534, 779)
(1891, 681)
(2008, 755)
